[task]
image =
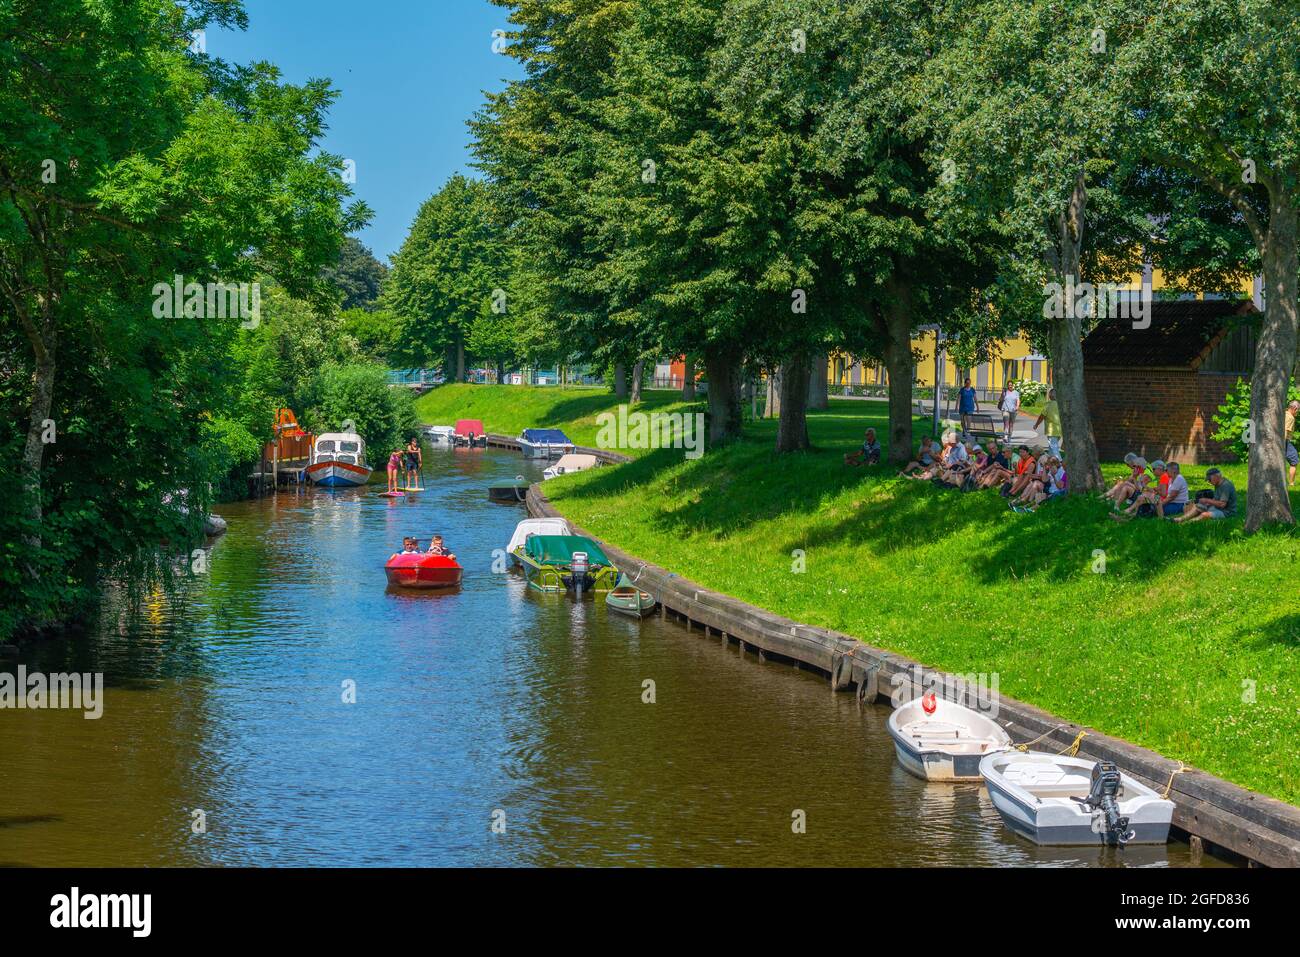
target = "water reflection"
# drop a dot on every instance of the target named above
(230, 697)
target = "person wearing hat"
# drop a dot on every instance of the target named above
(1151, 495)
(1222, 503)
(1130, 485)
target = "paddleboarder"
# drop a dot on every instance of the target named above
(394, 463)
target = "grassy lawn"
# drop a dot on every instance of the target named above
(1162, 648)
(508, 409)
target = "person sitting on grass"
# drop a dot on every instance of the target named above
(1221, 503)
(1051, 483)
(997, 467)
(1150, 495)
(1035, 484)
(1174, 500)
(1026, 469)
(925, 457)
(869, 454)
(1130, 485)
(956, 461)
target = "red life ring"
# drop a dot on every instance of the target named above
(928, 703)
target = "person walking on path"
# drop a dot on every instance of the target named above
(967, 405)
(1051, 414)
(1010, 406)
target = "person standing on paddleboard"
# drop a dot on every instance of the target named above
(394, 463)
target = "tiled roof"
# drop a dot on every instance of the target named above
(1181, 332)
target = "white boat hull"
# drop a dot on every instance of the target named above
(947, 744)
(544, 450)
(1033, 794)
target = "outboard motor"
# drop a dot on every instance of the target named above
(1102, 794)
(578, 565)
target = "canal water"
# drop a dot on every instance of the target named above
(490, 705)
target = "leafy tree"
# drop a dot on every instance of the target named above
(1212, 88)
(141, 160)
(357, 275)
(448, 278)
(384, 417)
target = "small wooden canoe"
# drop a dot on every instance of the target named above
(626, 599)
(417, 570)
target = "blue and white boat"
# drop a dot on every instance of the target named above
(338, 460)
(544, 443)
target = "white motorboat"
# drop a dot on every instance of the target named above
(940, 740)
(544, 443)
(440, 434)
(536, 526)
(338, 460)
(1054, 799)
(572, 462)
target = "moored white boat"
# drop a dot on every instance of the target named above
(940, 740)
(338, 459)
(535, 526)
(544, 443)
(1054, 799)
(571, 462)
(440, 434)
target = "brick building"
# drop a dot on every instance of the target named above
(1155, 391)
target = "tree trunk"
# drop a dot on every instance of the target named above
(638, 372)
(460, 359)
(792, 429)
(722, 365)
(772, 408)
(1065, 338)
(34, 449)
(501, 372)
(688, 380)
(1267, 502)
(818, 390)
(620, 381)
(899, 366)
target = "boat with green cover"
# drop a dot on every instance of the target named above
(627, 599)
(557, 562)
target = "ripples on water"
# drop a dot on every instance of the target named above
(227, 698)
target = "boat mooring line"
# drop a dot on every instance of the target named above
(1261, 829)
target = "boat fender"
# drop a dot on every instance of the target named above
(928, 703)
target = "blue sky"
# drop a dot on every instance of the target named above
(409, 73)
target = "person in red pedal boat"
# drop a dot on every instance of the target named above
(436, 547)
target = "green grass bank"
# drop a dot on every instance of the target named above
(1186, 640)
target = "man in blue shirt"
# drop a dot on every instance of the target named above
(966, 404)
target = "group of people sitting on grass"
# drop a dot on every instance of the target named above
(1028, 478)
(1025, 478)
(1159, 490)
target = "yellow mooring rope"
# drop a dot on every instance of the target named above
(1170, 786)
(1028, 744)
(1073, 749)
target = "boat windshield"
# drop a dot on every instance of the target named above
(347, 447)
(325, 445)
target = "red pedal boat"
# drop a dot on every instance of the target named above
(416, 570)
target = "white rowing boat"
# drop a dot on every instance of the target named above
(940, 740)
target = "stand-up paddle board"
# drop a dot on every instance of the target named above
(392, 494)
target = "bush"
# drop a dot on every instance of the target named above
(383, 416)
(1233, 416)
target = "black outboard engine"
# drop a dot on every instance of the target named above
(1102, 794)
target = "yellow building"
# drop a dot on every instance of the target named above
(1013, 359)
